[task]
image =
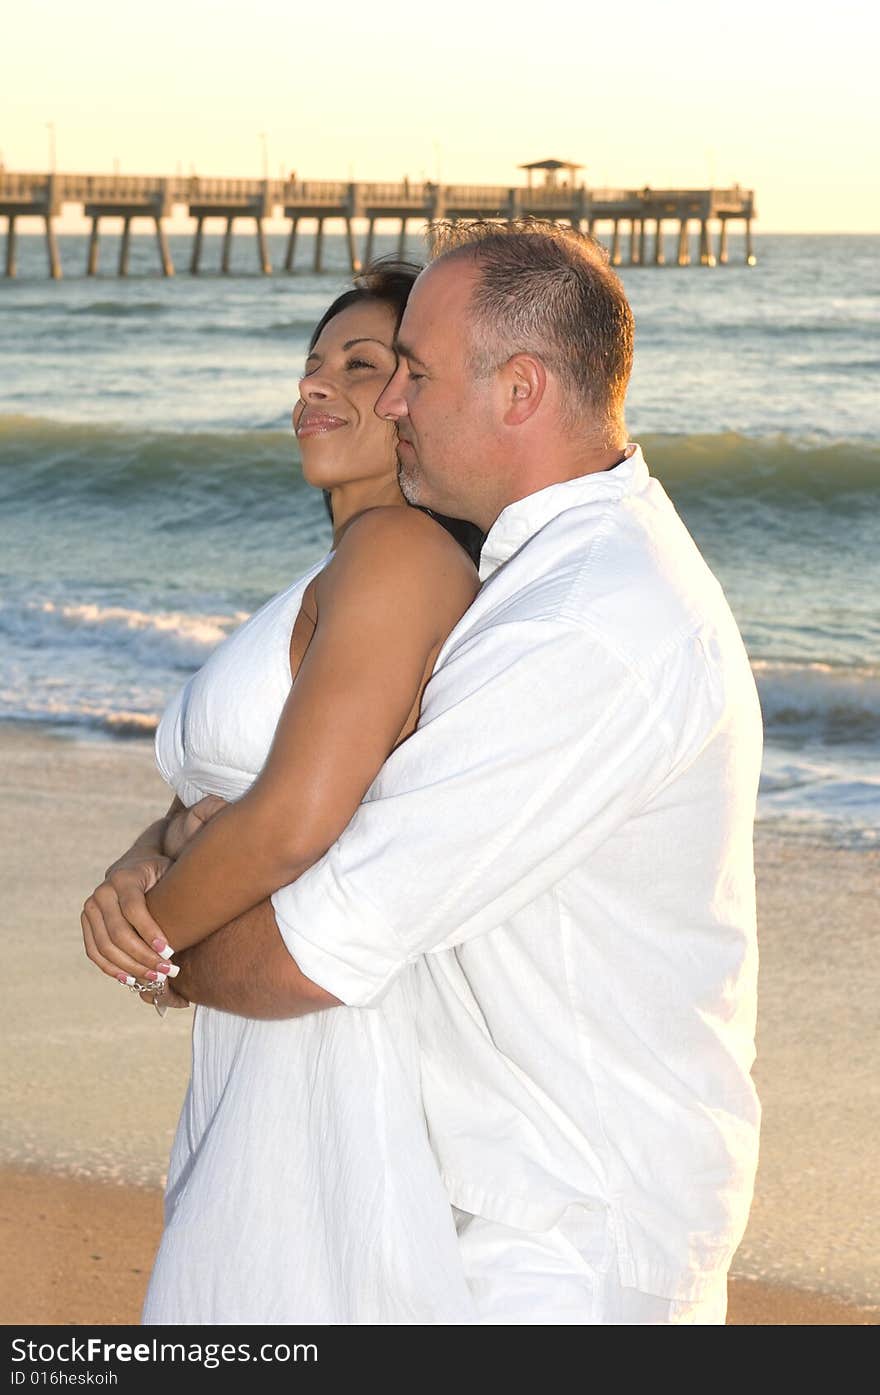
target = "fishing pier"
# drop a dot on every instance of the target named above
(631, 222)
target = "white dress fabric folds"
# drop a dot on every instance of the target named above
(301, 1186)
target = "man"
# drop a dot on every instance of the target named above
(563, 847)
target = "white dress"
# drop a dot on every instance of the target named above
(301, 1186)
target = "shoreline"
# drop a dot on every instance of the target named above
(82, 1252)
(136, 732)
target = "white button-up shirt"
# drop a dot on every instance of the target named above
(563, 850)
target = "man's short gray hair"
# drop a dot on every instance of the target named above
(549, 291)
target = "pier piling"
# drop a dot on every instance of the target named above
(92, 258)
(124, 247)
(262, 249)
(164, 250)
(684, 250)
(643, 240)
(751, 259)
(368, 251)
(10, 246)
(52, 250)
(196, 257)
(722, 243)
(291, 245)
(318, 264)
(659, 252)
(401, 241)
(706, 255)
(227, 247)
(615, 244)
(354, 259)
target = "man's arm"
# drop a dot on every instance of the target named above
(537, 743)
(525, 757)
(247, 969)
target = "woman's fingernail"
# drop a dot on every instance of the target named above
(151, 975)
(173, 970)
(162, 966)
(121, 978)
(162, 948)
(129, 981)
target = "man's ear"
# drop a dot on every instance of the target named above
(524, 381)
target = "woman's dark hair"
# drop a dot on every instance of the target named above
(389, 282)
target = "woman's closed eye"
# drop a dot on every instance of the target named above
(359, 363)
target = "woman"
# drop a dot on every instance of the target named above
(301, 1185)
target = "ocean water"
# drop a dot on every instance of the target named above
(150, 496)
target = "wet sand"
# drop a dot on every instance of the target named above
(81, 1253)
(91, 1093)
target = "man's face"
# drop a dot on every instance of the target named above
(444, 414)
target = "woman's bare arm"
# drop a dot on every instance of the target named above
(386, 603)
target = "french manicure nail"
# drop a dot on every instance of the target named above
(162, 948)
(173, 970)
(129, 981)
(163, 967)
(151, 975)
(121, 978)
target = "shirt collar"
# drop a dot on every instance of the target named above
(522, 519)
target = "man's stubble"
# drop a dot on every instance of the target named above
(407, 478)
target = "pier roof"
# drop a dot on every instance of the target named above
(551, 165)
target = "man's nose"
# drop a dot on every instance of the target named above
(391, 404)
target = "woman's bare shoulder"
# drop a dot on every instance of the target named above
(408, 536)
(404, 552)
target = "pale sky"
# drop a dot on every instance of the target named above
(778, 96)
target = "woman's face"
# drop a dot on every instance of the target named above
(340, 437)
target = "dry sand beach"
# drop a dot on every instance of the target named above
(94, 1081)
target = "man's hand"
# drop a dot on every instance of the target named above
(188, 822)
(119, 934)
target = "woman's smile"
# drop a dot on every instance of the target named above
(312, 423)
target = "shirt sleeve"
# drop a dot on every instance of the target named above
(535, 744)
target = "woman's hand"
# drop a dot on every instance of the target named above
(168, 998)
(188, 822)
(121, 938)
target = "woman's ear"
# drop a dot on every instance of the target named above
(524, 380)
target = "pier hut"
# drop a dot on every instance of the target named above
(552, 172)
(558, 197)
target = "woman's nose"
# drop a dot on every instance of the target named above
(314, 388)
